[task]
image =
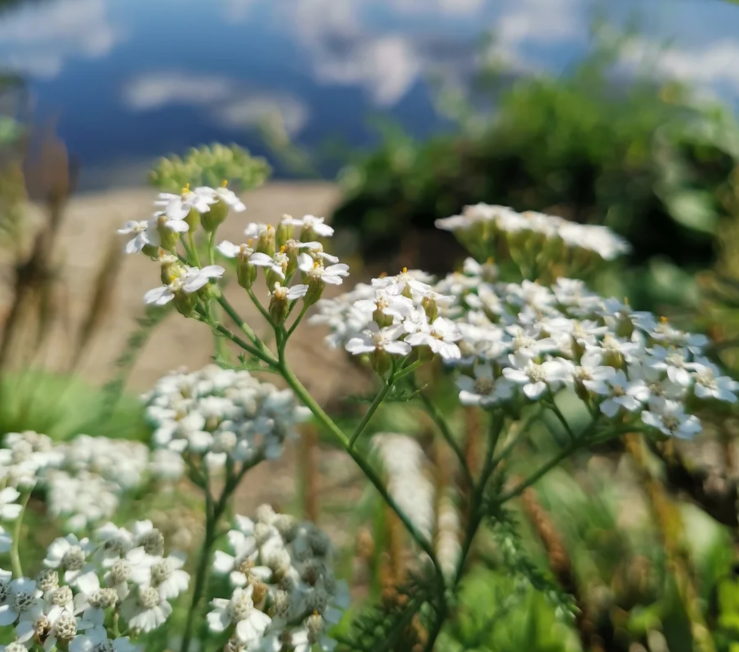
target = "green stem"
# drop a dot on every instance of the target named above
(559, 457)
(247, 347)
(520, 432)
(372, 476)
(260, 307)
(438, 418)
(213, 513)
(372, 409)
(15, 557)
(297, 321)
(211, 248)
(561, 417)
(478, 493)
(200, 577)
(192, 250)
(243, 326)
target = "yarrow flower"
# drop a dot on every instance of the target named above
(221, 414)
(528, 341)
(281, 571)
(83, 479)
(479, 225)
(84, 582)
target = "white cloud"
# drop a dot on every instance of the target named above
(156, 90)
(238, 10)
(541, 22)
(714, 66)
(386, 67)
(447, 7)
(252, 111)
(40, 37)
(387, 63)
(228, 102)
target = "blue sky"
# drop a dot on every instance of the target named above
(130, 78)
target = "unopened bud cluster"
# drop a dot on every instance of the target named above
(535, 242)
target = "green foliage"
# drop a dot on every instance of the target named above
(646, 161)
(496, 614)
(210, 166)
(63, 406)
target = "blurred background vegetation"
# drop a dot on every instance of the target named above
(632, 548)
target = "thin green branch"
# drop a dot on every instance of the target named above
(438, 418)
(574, 446)
(260, 307)
(368, 471)
(297, 321)
(387, 386)
(522, 430)
(15, 557)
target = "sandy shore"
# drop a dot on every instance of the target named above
(90, 223)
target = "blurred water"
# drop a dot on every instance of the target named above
(130, 80)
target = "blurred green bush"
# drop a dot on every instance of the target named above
(643, 159)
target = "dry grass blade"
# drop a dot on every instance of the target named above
(108, 271)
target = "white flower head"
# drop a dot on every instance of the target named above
(178, 207)
(440, 336)
(534, 377)
(315, 271)
(145, 609)
(379, 339)
(311, 224)
(9, 507)
(250, 623)
(670, 418)
(483, 389)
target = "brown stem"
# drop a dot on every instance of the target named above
(561, 566)
(671, 530)
(309, 472)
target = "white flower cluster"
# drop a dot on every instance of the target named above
(221, 414)
(527, 341)
(286, 255)
(280, 252)
(82, 479)
(627, 365)
(285, 595)
(85, 581)
(405, 465)
(485, 224)
(391, 317)
(175, 216)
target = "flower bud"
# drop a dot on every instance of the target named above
(279, 304)
(381, 319)
(582, 392)
(430, 308)
(259, 591)
(209, 291)
(381, 361)
(284, 232)
(150, 250)
(215, 216)
(266, 242)
(172, 268)
(315, 290)
(184, 303)
(193, 220)
(625, 327)
(246, 273)
(292, 249)
(168, 239)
